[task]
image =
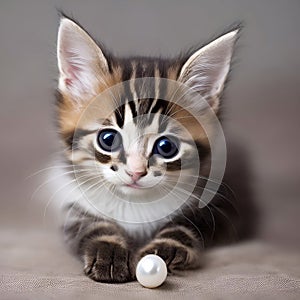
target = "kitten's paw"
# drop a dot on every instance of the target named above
(175, 255)
(107, 262)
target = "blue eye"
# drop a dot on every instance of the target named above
(109, 140)
(166, 146)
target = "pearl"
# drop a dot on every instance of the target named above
(151, 271)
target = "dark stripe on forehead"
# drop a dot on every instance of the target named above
(128, 94)
(163, 122)
(155, 109)
(160, 105)
(132, 106)
(163, 67)
(144, 69)
(126, 75)
(102, 158)
(144, 105)
(140, 68)
(163, 73)
(139, 73)
(126, 70)
(119, 114)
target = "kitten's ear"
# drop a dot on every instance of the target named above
(81, 63)
(206, 70)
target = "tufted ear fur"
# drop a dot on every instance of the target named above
(82, 64)
(206, 70)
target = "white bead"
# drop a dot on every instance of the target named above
(151, 271)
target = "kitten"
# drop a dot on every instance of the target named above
(138, 135)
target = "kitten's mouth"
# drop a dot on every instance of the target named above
(134, 185)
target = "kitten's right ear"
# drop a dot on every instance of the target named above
(82, 64)
(207, 69)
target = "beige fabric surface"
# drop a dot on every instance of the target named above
(36, 265)
(262, 109)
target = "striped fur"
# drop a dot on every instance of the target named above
(110, 238)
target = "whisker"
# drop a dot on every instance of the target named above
(48, 181)
(189, 220)
(222, 183)
(88, 189)
(200, 200)
(204, 188)
(75, 202)
(217, 209)
(48, 168)
(195, 226)
(62, 187)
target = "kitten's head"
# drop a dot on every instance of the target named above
(138, 126)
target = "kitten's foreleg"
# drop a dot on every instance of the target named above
(103, 247)
(177, 245)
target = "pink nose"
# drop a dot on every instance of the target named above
(136, 175)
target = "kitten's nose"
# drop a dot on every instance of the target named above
(136, 175)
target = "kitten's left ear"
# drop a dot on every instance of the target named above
(206, 70)
(82, 64)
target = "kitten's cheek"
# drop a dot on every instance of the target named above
(154, 182)
(116, 178)
(111, 177)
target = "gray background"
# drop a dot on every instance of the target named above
(262, 101)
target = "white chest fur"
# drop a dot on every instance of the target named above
(140, 220)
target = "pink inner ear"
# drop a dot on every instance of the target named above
(73, 72)
(68, 81)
